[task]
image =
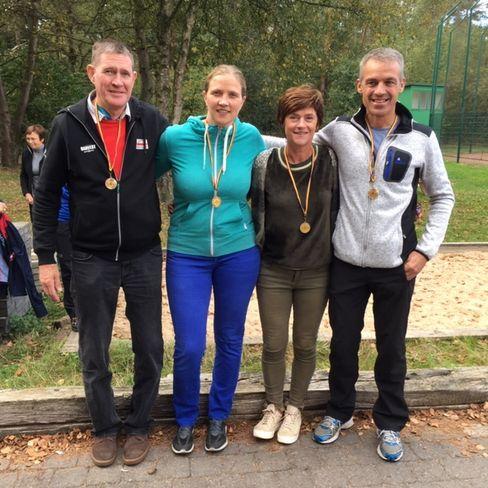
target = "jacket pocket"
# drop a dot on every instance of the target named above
(396, 164)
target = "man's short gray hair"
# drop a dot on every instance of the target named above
(383, 54)
(112, 47)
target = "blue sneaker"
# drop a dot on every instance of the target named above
(328, 430)
(390, 447)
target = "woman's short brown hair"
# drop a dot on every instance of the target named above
(298, 98)
(38, 129)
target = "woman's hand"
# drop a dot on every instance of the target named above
(3, 207)
(29, 198)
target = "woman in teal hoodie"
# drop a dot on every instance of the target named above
(211, 245)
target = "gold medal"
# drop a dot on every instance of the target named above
(373, 193)
(305, 228)
(111, 183)
(216, 201)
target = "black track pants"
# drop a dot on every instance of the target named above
(350, 289)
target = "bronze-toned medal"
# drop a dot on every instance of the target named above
(373, 193)
(216, 201)
(304, 226)
(111, 183)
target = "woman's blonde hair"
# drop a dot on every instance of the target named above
(227, 69)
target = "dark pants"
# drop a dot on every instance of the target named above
(97, 283)
(64, 253)
(350, 288)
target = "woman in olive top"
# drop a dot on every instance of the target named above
(211, 246)
(294, 202)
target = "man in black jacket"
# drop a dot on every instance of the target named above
(104, 148)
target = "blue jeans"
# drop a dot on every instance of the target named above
(97, 283)
(189, 281)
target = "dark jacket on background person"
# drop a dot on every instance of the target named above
(113, 224)
(26, 176)
(20, 279)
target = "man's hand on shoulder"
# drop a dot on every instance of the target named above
(414, 264)
(50, 281)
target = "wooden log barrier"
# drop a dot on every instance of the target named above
(50, 410)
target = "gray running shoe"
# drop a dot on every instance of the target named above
(328, 430)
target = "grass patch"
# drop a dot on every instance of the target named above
(36, 360)
(469, 220)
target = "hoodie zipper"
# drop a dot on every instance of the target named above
(370, 202)
(212, 210)
(119, 225)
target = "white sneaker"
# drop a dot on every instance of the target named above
(290, 427)
(269, 424)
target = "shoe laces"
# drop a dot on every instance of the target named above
(389, 436)
(269, 414)
(291, 418)
(330, 423)
(216, 427)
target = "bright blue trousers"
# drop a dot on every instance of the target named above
(189, 281)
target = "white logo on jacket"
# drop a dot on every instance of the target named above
(88, 149)
(141, 144)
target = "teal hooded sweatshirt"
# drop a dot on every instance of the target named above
(197, 227)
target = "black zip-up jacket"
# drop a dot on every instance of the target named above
(26, 176)
(113, 224)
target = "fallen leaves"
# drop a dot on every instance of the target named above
(29, 450)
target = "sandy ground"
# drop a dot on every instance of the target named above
(451, 297)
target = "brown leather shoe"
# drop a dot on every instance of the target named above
(136, 448)
(104, 450)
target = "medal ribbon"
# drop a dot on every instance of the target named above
(372, 160)
(307, 198)
(216, 180)
(99, 127)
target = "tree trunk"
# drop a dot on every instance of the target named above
(5, 129)
(182, 63)
(147, 81)
(164, 38)
(32, 22)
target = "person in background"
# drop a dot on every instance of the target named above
(64, 252)
(211, 247)
(32, 161)
(294, 202)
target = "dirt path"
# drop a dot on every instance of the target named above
(451, 296)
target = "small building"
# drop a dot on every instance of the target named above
(417, 96)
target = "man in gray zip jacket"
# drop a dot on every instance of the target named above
(382, 153)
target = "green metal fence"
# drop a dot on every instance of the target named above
(461, 68)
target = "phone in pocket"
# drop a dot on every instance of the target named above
(396, 165)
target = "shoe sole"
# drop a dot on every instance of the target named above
(287, 439)
(262, 434)
(390, 460)
(104, 463)
(218, 449)
(137, 460)
(182, 451)
(344, 426)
